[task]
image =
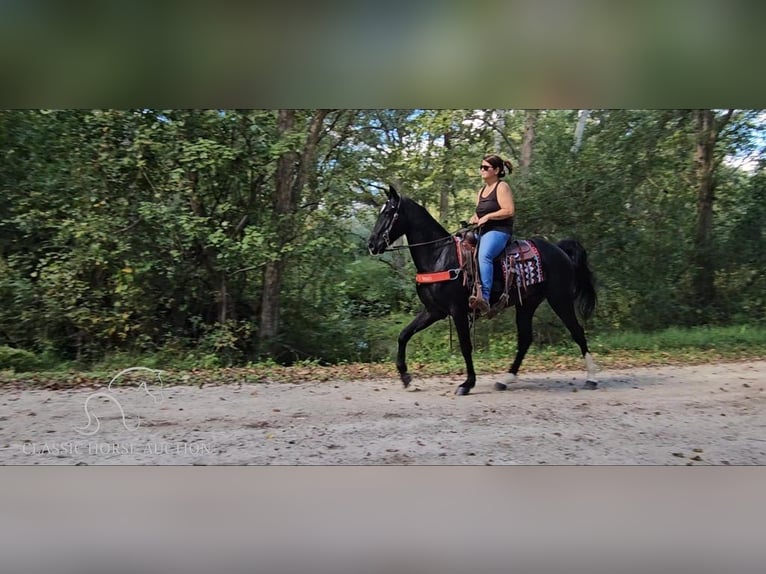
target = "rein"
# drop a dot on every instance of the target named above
(408, 246)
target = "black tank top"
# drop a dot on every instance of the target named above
(490, 204)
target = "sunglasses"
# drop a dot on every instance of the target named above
(485, 167)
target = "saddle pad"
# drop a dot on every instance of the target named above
(527, 264)
(530, 271)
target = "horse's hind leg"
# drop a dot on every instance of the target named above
(424, 319)
(524, 314)
(565, 310)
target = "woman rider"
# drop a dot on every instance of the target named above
(494, 216)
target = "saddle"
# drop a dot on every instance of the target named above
(519, 266)
(521, 250)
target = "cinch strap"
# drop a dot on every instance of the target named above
(439, 276)
(448, 275)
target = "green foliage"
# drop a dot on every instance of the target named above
(739, 336)
(18, 359)
(147, 233)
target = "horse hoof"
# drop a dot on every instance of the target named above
(501, 387)
(406, 379)
(461, 391)
(590, 385)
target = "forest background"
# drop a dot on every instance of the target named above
(230, 237)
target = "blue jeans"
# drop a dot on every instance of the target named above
(491, 244)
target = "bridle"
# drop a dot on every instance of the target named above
(387, 234)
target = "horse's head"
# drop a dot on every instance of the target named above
(389, 227)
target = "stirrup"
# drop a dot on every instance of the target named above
(495, 309)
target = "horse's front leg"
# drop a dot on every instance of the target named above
(463, 328)
(424, 319)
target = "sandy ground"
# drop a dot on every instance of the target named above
(707, 414)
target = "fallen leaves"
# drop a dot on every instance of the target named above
(314, 372)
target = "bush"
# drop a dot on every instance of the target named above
(18, 359)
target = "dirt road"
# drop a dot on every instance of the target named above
(707, 414)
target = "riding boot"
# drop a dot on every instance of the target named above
(478, 303)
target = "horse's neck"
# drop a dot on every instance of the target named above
(421, 234)
(423, 228)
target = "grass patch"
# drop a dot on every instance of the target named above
(613, 350)
(703, 338)
(427, 357)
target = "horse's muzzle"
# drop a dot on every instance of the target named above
(376, 248)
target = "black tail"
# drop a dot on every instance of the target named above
(585, 291)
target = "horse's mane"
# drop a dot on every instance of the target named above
(419, 216)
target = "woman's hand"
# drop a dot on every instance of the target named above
(474, 219)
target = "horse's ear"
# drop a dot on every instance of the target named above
(392, 194)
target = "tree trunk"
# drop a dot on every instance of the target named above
(528, 140)
(223, 304)
(290, 178)
(499, 121)
(708, 130)
(580, 130)
(272, 276)
(444, 192)
(269, 327)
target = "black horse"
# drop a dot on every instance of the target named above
(567, 279)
